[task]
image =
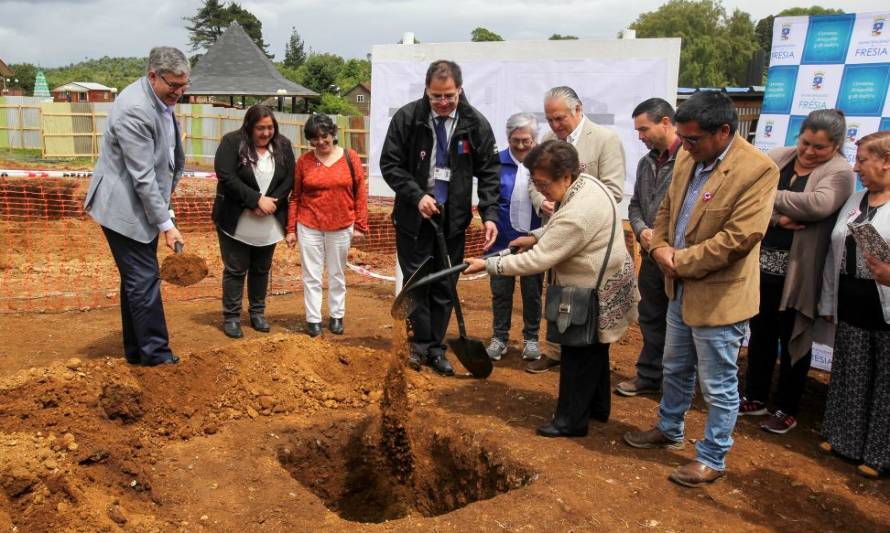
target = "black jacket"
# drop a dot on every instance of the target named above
(237, 188)
(405, 164)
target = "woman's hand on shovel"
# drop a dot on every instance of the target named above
(476, 265)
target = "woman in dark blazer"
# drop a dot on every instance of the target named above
(255, 172)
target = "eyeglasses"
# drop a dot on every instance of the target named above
(541, 185)
(447, 98)
(175, 86)
(692, 140)
(519, 143)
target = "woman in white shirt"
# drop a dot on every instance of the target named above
(254, 168)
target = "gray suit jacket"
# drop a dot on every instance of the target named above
(134, 178)
(601, 155)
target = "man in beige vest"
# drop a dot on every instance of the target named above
(601, 155)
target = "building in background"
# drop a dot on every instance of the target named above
(5, 74)
(360, 97)
(83, 91)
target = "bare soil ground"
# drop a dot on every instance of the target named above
(280, 432)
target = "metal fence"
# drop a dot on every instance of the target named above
(60, 129)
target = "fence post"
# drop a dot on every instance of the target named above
(21, 127)
(94, 144)
(42, 132)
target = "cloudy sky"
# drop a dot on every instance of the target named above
(57, 32)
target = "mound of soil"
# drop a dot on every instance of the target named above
(183, 269)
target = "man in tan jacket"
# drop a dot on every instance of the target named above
(707, 243)
(601, 155)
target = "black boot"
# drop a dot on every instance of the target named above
(232, 328)
(313, 329)
(440, 364)
(258, 322)
(336, 326)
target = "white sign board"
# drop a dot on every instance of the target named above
(501, 78)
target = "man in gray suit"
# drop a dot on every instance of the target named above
(601, 155)
(654, 122)
(140, 162)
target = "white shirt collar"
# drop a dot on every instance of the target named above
(451, 115)
(575, 135)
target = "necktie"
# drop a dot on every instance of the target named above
(440, 188)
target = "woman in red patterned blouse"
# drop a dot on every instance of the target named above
(328, 209)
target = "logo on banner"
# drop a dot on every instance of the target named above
(877, 26)
(786, 31)
(768, 128)
(818, 79)
(852, 132)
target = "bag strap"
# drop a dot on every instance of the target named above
(348, 154)
(599, 280)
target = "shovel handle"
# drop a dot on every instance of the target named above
(177, 247)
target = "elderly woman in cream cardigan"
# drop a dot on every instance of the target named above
(572, 249)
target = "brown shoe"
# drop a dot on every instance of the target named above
(541, 365)
(651, 439)
(694, 475)
(636, 386)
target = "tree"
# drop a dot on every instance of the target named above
(354, 71)
(714, 45)
(764, 28)
(295, 50)
(212, 20)
(558, 37)
(335, 105)
(320, 72)
(25, 73)
(482, 34)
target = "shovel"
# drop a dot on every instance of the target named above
(183, 269)
(405, 303)
(470, 352)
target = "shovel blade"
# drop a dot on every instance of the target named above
(471, 353)
(404, 304)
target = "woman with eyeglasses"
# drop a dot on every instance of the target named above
(516, 217)
(815, 179)
(328, 210)
(857, 411)
(255, 172)
(582, 246)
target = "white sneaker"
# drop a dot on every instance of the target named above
(531, 351)
(496, 349)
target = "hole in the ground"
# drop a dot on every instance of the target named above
(341, 463)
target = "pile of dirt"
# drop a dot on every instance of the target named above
(184, 269)
(79, 437)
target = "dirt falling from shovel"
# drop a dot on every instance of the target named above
(396, 440)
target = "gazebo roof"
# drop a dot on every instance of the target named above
(235, 66)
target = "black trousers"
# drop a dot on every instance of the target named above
(428, 323)
(653, 321)
(242, 260)
(502, 288)
(142, 312)
(769, 329)
(584, 387)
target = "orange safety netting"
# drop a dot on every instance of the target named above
(54, 257)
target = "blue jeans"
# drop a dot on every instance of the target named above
(713, 352)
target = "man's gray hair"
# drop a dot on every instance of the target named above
(522, 121)
(566, 94)
(163, 59)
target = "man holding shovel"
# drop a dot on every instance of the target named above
(433, 148)
(140, 162)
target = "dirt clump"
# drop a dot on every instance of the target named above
(184, 269)
(121, 400)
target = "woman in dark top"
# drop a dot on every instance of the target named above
(857, 411)
(255, 172)
(815, 180)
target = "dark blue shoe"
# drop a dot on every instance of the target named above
(163, 360)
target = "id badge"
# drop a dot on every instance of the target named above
(442, 174)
